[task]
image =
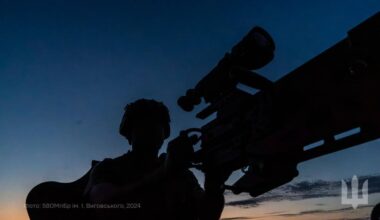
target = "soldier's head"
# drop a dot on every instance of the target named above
(146, 124)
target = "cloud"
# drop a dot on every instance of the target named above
(321, 211)
(242, 217)
(307, 190)
(236, 218)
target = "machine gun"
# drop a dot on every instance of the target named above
(268, 133)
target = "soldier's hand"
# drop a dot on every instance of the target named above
(214, 181)
(179, 154)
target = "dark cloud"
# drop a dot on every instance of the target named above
(245, 203)
(242, 217)
(316, 211)
(320, 211)
(236, 218)
(307, 190)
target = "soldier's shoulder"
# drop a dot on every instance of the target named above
(103, 166)
(111, 162)
(110, 165)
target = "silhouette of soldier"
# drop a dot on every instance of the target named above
(151, 186)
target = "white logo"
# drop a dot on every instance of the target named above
(355, 201)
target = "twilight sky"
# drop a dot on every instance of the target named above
(67, 68)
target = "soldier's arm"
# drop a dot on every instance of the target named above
(211, 206)
(212, 201)
(207, 203)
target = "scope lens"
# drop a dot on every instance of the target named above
(255, 50)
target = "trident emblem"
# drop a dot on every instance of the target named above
(355, 201)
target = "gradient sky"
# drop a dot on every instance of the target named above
(67, 68)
